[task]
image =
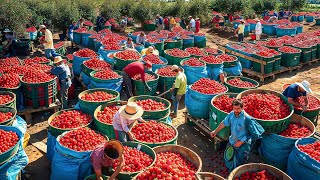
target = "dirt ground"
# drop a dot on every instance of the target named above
(189, 136)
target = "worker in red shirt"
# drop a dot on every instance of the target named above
(198, 23)
(133, 69)
(166, 23)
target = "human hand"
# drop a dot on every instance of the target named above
(304, 108)
(131, 136)
(238, 144)
(213, 134)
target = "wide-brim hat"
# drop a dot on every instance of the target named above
(305, 85)
(116, 145)
(6, 31)
(131, 111)
(174, 67)
(41, 27)
(242, 20)
(57, 59)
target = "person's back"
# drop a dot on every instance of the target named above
(134, 68)
(49, 39)
(181, 82)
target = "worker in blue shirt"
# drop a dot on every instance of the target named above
(62, 71)
(71, 28)
(141, 39)
(296, 90)
(244, 131)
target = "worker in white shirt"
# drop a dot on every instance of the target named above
(48, 42)
(258, 29)
(192, 24)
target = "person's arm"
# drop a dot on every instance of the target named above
(118, 169)
(235, 32)
(143, 78)
(57, 71)
(141, 120)
(98, 173)
(222, 78)
(224, 123)
(306, 101)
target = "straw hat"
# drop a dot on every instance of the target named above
(190, 17)
(42, 27)
(6, 31)
(131, 111)
(115, 144)
(242, 20)
(57, 59)
(305, 85)
(174, 67)
(150, 49)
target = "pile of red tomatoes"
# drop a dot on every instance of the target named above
(224, 103)
(195, 51)
(98, 96)
(313, 102)
(237, 82)
(9, 80)
(288, 49)
(148, 77)
(107, 114)
(107, 74)
(85, 53)
(71, 119)
(177, 53)
(37, 77)
(208, 86)
(193, 62)
(166, 72)
(151, 105)
(5, 116)
(97, 64)
(260, 175)
(227, 58)
(112, 46)
(127, 55)
(211, 59)
(39, 60)
(154, 59)
(5, 98)
(296, 130)
(8, 139)
(312, 149)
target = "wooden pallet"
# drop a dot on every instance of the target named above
(262, 75)
(27, 113)
(203, 125)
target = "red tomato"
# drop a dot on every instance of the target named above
(296, 130)
(112, 46)
(5, 99)
(314, 102)
(166, 72)
(211, 59)
(148, 77)
(127, 55)
(10, 80)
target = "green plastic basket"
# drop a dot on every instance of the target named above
(55, 131)
(153, 114)
(5, 156)
(102, 127)
(90, 106)
(268, 68)
(141, 89)
(94, 177)
(217, 116)
(314, 52)
(271, 126)
(311, 114)
(143, 148)
(87, 70)
(318, 51)
(305, 54)
(119, 64)
(172, 45)
(173, 60)
(290, 59)
(9, 121)
(231, 64)
(172, 141)
(235, 89)
(11, 103)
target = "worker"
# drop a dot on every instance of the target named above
(62, 71)
(173, 23)
(71, 28)
(124, 23)
(192, 24)
(124, 119)
(141, 39)
(8, 49)
(159, 22)
(183, 23)
(244, 131)
(103, 157)
(258, 29)
(166, 23)
(133, 69)
(296, 90)
(179, 89)
(149, 50)
(129, 43)
(272, 19)
(48, 42)
(240, 30)
(198, 23)
(80, 23)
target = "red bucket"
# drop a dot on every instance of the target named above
(253, 36)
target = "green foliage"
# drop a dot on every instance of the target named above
(294, 5)
(111, 9)
(228, 6)
(260, 6)
(87, 9)
(14, 15)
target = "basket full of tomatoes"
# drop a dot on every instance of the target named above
(67, 120)
(7, 115)
(7, 99)
(270, 108)
(11, 137)
(220, 107)
(154, 134)
(154, 107)
(238, 84)
(123, 58)
(103, 116)
(137, 158)
(252, 171)
(174, 56)
(184, 161)
(139, 87)
(94, 64)
(313, 108)
(89, 100)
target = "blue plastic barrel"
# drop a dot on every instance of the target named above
(300, 18)
(77, 37)
(104, 53)
(247, 29)
(245, 63)
(294, 18)
(309, 18)
(200, 41)
(97, 45)
(188, 43)
(284, 31)
(85, 39)
(139, 47)
(252, 27)
(33, 35)
(235, 25)
(299, 29)
(269, 29)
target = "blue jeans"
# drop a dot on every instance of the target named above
(176, 99)
(122, 136)
(50, 53)
(239, 156)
